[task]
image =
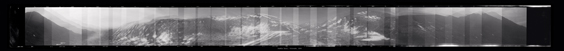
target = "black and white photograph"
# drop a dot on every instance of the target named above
(257, 26)
(278, 27)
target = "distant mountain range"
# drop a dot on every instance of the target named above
(377, 28)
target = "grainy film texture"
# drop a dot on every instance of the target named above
(273, 26)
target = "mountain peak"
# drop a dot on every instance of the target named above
(494, 14)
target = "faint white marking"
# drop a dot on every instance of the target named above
(154, 36)
(375, 36)
(422, 28)
(448, 45)
(533, 46)
(362, 13)
(61, 43)
(489, 45)
(537, 5)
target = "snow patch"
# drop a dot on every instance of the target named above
(375, 36)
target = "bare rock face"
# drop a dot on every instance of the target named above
(360, 29)
(246, 30)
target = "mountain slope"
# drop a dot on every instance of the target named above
(377, 28)
(248, 30)
(42, 31)
(470, 29)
